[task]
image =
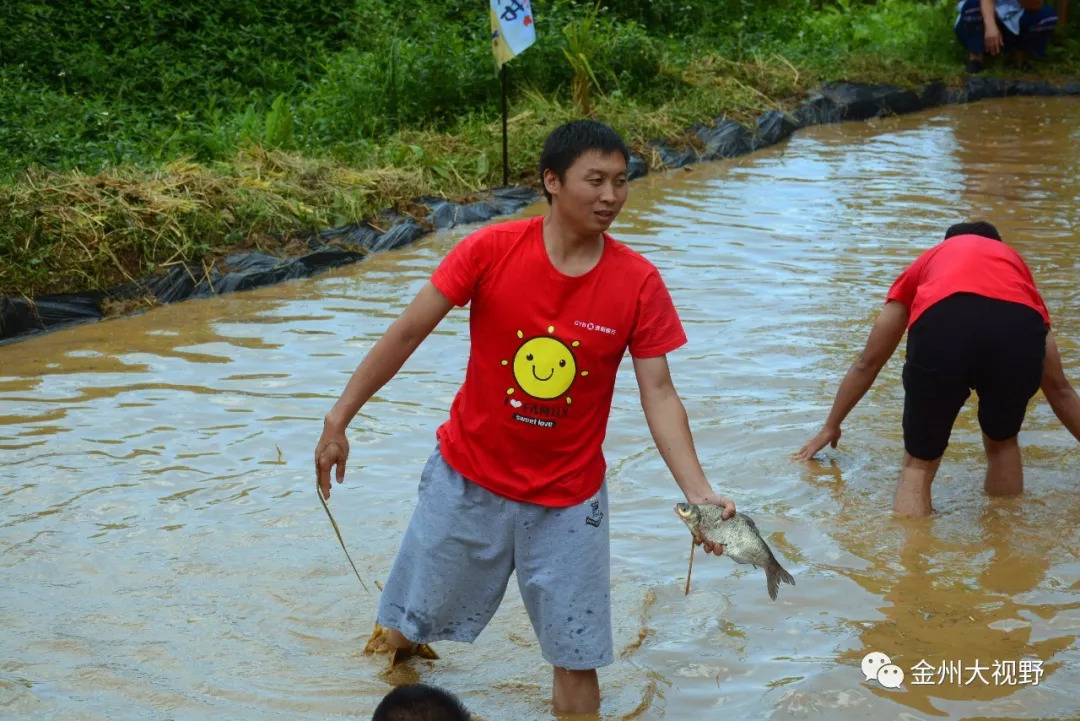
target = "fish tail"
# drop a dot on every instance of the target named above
(774, 574)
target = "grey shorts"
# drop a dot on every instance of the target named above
(461, 546)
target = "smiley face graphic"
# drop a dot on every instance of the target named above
(545, 367)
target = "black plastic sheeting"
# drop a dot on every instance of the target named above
(771, 128)
(840, 101)
(724, 138)
(502, 201)
(244, 271)
(637, 167)
(19, 317)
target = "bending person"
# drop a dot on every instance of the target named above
(975, 320)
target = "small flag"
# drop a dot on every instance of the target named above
(512, 29)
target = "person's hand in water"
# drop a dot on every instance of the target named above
(826, 436)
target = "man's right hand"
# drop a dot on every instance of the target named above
(992, 39)
(380, 364)
(826, 436)
(332, 450)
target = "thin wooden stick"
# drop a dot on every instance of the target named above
(339, 538)
(688, 571)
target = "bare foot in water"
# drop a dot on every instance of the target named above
(391, 641)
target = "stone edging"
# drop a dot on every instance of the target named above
(832, 103)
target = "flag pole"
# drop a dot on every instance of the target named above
(506, 161)
(512, 30)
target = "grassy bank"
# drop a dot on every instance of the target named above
(138, 134)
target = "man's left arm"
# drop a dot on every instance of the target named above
(670, 428)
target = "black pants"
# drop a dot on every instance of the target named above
(969, 342)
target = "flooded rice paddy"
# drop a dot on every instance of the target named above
(163, 554)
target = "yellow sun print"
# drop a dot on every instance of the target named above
(545, 367)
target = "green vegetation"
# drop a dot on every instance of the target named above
(139, 133)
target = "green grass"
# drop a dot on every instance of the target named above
(137, 133)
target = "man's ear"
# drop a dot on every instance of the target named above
(551, 181)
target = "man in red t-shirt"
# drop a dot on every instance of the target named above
(516, 481)
(975, 321)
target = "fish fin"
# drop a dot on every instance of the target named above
(774, 574)
(750, 522)
(772, 582)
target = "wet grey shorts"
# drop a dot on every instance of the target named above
(464, 541)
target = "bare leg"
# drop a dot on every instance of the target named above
(393, 642)
(397, 639)
(1004, 469)
(575, 691)
(913, 488)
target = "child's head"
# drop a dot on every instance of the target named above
(420, 702)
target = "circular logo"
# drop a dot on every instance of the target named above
(544, 367)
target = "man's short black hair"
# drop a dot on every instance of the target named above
(570, 141)
(420, 702)
(981, 227)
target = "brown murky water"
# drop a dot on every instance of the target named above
(163, 554)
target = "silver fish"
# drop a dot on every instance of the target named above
(739, 536)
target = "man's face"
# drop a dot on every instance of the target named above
(592, 191)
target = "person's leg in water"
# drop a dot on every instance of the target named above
(913, 496)
(1008, 375)
(575, 692)
(396, 639)
(935, 377)
(563, 563)
(451, 571)
(1004, 467)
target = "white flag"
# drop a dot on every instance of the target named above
(512, 28)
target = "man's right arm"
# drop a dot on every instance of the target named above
(390, 352)
(1058, 391)
(886, 334)
(380, 364)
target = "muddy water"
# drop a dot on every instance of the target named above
(163, 554)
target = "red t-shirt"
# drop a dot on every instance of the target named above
(529, 421)
(966, 264)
